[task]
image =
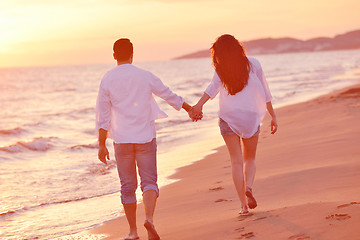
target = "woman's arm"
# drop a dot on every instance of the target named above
(211, 91)
(271, 111)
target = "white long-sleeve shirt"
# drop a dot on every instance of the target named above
(126, 107)
(245, 110)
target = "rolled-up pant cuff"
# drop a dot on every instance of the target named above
(151, 187)
(128, 198)
(128, 155)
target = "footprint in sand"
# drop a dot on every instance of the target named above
(260, 218)
(351, 93)
(223, 200)
(247, 235)
(300, 236)
(216, 188)
(338, 216)
(348, 204)
(244, 217)
(240, 229)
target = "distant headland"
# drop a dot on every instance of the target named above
(349, 40)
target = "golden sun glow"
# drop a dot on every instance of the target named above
(43, 32)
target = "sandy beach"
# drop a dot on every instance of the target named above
(307, 183)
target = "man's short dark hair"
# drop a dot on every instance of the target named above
(123, 49)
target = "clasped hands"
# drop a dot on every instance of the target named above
(195, 113)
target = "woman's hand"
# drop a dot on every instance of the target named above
(194, 116)
(196, 112)
(274, 125)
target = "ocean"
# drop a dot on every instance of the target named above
(52, 185)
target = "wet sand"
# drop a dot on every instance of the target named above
(307, 183)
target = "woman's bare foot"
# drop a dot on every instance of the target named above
(244, 211)
(152, 234)
(250, 197)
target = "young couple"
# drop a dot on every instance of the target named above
(127, 110)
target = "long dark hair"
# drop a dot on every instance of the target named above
(230, 63)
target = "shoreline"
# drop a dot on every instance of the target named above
(306, 171)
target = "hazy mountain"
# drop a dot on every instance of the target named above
(349, 40)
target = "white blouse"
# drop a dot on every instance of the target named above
(245, 110)
(126, 107)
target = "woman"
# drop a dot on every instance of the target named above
(244, 99)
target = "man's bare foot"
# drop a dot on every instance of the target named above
(132, 237)
(152, 234)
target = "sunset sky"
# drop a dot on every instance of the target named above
(61, 32)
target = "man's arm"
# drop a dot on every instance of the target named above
(103, 151)
(103, 120)
(186, 106)
(164, 92)
(177, 102)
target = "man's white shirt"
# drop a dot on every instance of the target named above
(126, 107)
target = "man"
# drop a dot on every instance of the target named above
(127, 110)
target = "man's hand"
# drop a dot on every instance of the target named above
(195, 117)
(196, 113)
(103, 154)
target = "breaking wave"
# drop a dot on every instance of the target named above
(81, 146)
(14, 131)
(39, 144)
